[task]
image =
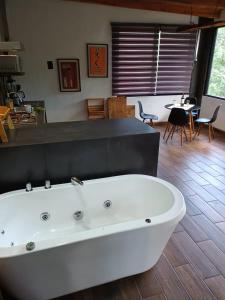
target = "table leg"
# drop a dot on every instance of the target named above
(190, 125)
(193, 123)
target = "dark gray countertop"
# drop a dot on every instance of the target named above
(75, 131)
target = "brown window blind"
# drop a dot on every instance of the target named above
(134, 59)
(151, 59)
(175, 61)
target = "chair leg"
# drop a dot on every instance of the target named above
(174, 129)
(10, 123)
(213, 133)
(192, 122)
(197, 132)
(185, 133)
(209, 132)
(167, 128)
(190, 125)
(3, 135)
(181, 136)
(199, 129)
(171, 130)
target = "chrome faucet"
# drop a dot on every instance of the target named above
(47, 184)
(75, 180)
(28, 187)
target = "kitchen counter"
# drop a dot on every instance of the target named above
(75, 131)
(86, 149)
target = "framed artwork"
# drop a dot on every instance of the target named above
(97, 60)
(69, 74)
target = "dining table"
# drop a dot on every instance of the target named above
(189, 108)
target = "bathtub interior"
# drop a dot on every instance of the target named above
(132, 197)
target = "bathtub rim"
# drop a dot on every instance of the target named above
(173, 215)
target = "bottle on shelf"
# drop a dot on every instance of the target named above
(182, 100)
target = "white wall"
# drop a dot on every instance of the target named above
(51, 29)
(207, 108)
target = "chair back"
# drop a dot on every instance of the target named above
(215, 114)
(117, 107)
(178, 117)
(192, 100)
(140, 109)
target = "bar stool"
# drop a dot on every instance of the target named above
(5, 117)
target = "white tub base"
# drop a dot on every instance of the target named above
(74, 255)
(63, 270)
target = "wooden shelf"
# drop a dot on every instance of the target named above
(11, 73)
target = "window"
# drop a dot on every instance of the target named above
(216, 75)
(151, 59)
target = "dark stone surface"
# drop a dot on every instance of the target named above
(88, 149)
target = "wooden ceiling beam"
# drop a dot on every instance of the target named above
(174, 6)
(216, 4)
(194, 27)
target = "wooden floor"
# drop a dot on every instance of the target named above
(193, 263)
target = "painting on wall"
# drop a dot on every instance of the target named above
(69, 75)
(97, 60)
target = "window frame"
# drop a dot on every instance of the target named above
(209, 68)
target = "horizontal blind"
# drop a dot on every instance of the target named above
(134, 59)
(151, 59)
(175, 61)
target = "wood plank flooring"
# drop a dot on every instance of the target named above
(193, 263)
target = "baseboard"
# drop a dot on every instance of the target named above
(219, 130)
(215, 129)
(163, 123)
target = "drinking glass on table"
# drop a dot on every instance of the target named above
(188, 102)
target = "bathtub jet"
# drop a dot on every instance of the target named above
(110, 239)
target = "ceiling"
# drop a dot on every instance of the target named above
(202, 8)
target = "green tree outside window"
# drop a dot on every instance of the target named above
(216, 85)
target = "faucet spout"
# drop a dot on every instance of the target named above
(75, 180)
(28, 187)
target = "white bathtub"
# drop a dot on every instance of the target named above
(106, 244)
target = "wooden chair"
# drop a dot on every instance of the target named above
(118, 108)
(5, 117)
(96, 109)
